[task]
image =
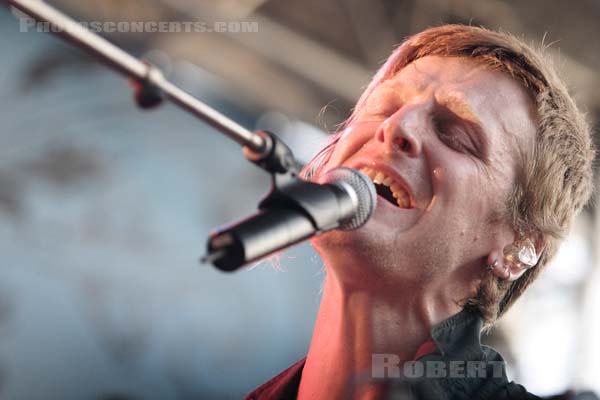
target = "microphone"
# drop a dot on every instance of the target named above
(344, 199)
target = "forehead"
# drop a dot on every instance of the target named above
(492, 98)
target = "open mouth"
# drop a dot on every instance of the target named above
(389, 189)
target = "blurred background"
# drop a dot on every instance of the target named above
(105, 209)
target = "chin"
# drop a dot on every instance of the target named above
(338, 240)
(359, 250)
(376, 237)
(374, 257)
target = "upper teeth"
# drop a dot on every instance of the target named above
(402, 197)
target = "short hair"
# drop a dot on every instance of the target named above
(554, 179)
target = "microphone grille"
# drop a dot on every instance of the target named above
(365, 192)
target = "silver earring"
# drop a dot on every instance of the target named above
(507, 270)
(492, 266)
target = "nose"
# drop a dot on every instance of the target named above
(399, 132)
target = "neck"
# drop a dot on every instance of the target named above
(355, 323)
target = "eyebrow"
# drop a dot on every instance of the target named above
(380, 93)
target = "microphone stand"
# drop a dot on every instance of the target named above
(152, 86)
(262, 148)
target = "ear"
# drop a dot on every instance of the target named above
(510, 262)
(496, 264)
(539, 241)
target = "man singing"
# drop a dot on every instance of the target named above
(481, 161)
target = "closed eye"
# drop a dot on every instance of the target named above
(382, 104)
(450, 140)
(456, 136)
(460, 133)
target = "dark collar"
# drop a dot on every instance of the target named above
(456, 338)
(459, 337)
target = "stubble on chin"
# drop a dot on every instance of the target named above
(388, 258)
(355, 247)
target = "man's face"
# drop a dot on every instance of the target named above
(441, 137)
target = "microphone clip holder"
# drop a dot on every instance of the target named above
(239, 243)
(147, 94)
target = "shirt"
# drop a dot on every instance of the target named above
(451, 365)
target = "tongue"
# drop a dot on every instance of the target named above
(386, 193)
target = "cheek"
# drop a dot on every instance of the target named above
(462, 191)
(351, 141)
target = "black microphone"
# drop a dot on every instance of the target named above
(344, 199)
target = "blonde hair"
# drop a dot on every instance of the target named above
(555, 179)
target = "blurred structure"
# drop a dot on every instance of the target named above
(318, 52)
(104, 209)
